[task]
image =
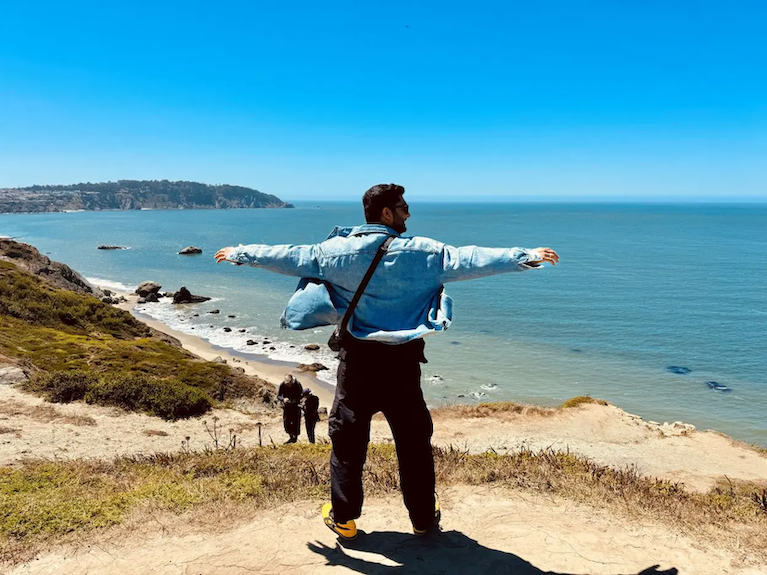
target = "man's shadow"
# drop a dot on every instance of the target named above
(448, 553)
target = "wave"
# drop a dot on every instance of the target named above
(113, 285)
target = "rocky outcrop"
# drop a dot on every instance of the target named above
(10, 374)
(189, 250)
(145, 288)
(134, 195)
(183, 295)
(315, 367)
(57, 274)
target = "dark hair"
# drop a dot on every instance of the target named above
(379, 197)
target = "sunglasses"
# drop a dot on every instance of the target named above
(404, 206)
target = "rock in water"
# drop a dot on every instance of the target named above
(189, 250)
(111, 247)
(183, 295)
(716, 386)
(678, 369)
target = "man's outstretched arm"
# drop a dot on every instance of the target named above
(469, 262)
(289, 260)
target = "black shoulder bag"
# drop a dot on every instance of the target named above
(335, 342)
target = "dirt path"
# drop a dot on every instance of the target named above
(485, 530)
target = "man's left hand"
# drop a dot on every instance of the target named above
(223, 254)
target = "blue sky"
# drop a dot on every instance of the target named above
(309, 100)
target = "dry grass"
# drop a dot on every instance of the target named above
(155, 432)
(43, 502)
(506, 409)
(581, 400)
(43, 413)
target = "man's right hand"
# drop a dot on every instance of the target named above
(545, 255)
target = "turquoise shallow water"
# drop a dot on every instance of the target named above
(640, 288)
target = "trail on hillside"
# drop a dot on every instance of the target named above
(485, 530)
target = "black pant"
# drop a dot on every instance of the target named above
(376, 377)
(291, 419)
(310, 421)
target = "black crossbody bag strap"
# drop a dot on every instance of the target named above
(335, 339)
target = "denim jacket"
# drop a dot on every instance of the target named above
(405, 298)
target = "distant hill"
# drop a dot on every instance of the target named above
(134, 195)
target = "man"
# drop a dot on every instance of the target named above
(310, 403)
(380, 363)
(289, 394)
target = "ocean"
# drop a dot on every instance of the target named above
(659, 309)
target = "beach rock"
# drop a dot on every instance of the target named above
(678, 369)
(196, 315)
(108, 292)
(241, 330)
(10, 374)
(145, 288)
(141, 300)
(152, 298)
(227, 329)
(190, 250)
(214, 311)
(108, 300)
(168, 294)
(266, 342)
(315, 367)
(107, 247)
(183, 295)
(312, 347)
(218, 359)
(231, 316)
(250, 342)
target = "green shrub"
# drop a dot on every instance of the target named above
(166, 398)
(63, 386)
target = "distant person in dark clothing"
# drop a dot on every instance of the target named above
(311, 407)
(290, 396)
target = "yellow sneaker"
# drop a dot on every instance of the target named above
(346, 531)
(435, 523)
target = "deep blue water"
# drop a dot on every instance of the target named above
(639, 288)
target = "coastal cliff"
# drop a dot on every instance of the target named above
(134, 195)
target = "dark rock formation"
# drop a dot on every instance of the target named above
(183, 295)
(716, 386)
(312, 347)
(680, 370)
(189, 250)
(152, 297)
(59, 275)
(145, 288)
(250, 342)
(227, 329)
(214, 311)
